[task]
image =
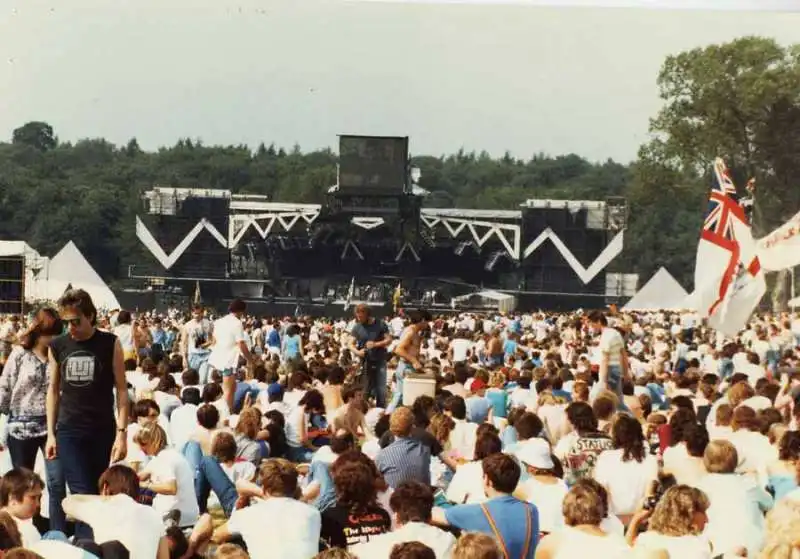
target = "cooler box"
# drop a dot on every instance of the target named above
(415, 385)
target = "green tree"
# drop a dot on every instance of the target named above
(38, 135)
(741, 101)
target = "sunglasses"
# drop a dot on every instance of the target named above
(76, 321)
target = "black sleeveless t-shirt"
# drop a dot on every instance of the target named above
(87, 381)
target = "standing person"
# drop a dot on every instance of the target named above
(613, 359)
(408, 351)
(229, 341)
(124, 332)
(86, 366)
(371, 337)
(23, 389)
(195, 341)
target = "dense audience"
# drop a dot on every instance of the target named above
(605, 434)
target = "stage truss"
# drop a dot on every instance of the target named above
(480, 226)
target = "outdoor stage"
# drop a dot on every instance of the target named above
(375, 234)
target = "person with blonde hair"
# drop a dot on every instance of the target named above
(169, 476)
(738, 503)
(406, 458)
(584, 508)
(675, 525)
(473, 545)
(781, 531)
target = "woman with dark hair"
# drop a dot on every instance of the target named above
(685, 459)
(356, 517)
(23, 389)
(292, 344)
(628, 471)
(298, 435)
(783, 472)
(578, 450)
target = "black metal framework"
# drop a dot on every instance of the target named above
(12, 284)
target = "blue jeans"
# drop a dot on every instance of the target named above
(84, 456)
(400, 373)
(615, 385)
(299, 454)
(320, 473)
(198, 361)
(193, 454)
(56, 492)
(211, 477)
(375, 380)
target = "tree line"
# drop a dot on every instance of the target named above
(739, 100)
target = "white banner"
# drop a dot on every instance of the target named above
(781, 248)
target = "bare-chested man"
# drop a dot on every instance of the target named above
(408, 351)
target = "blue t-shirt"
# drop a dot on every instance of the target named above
(499, 400)
(510, 348)
(477, 409)
(273, 338)
(292, 347)
(509, 515)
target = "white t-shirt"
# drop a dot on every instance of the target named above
(627, 482)
(548, 498)
(460, 348)
(138, 527)
(195, 331)
(228, 332)
(466, 486)
(237, 471)
(54, 549)
(30, 535)
(380, 546)
(278, 527)
(170, 465)
(685, 547)
(182, 423)
(611, 342)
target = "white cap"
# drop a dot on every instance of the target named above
(535, 453)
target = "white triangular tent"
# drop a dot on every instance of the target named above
(70, 268)
(661, 292)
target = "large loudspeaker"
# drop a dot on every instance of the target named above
(12, 284)
(373, 165)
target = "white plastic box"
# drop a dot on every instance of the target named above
(415, 385)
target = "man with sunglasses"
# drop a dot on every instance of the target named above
(86, 366)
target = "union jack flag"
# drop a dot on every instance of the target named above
(723, 204)
(725, 215)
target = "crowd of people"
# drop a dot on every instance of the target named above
(535, 435)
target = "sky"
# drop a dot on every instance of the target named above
(482, 77)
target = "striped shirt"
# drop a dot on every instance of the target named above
(405, 460)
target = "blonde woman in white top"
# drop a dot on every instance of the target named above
(676, 525)
(585, 507)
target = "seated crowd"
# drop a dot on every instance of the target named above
(542, 437)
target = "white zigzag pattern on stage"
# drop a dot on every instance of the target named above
(612, 250)
(169, 260)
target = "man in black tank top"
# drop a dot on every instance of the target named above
(86, 365)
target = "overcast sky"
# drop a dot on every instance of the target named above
(524, 79)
